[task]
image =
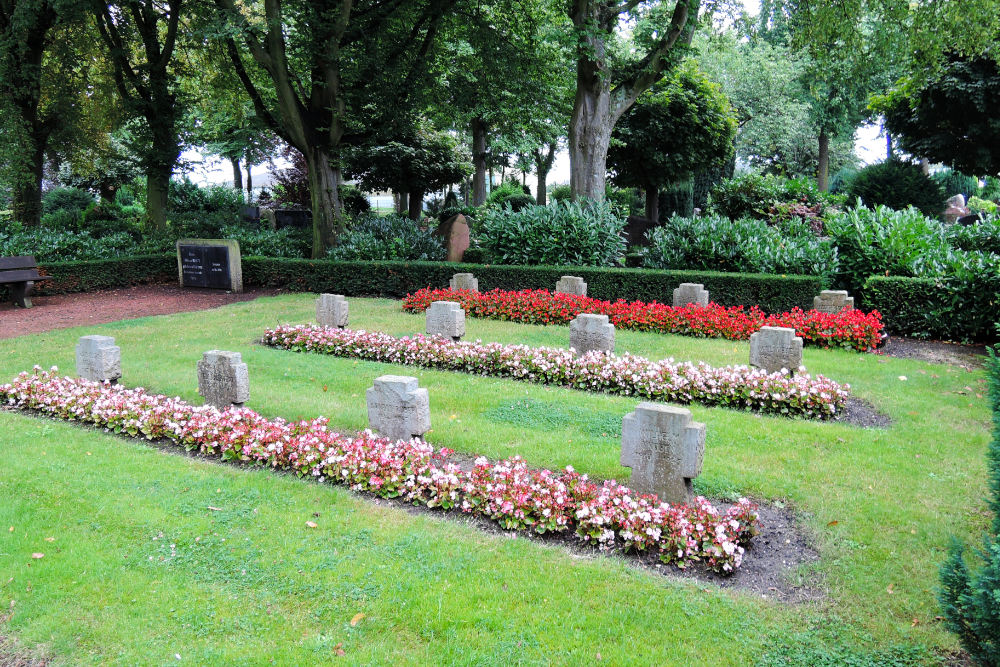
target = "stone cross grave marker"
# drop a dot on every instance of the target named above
(571, 285)
(589, 332)
(832, 301)
(223, 379)
(774, 348)
(398, 408)
(464, 281)
(331, 310)
(446, 318)
(664, 449)
(98, 359)
(690, 293)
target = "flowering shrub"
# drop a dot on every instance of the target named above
(731, 386)
(606, 514)
(848, 329)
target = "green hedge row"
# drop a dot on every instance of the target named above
(98, 274)
(773, 293)
(940, 308)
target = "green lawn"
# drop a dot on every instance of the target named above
(251, 583)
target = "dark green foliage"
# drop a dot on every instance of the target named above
(677, 199)
(984, 235)
(955, 182)
(822, 647)
(266, 242)
(501, 194)
(202, 212)
(576, 233)
(104, 274)
(970, 601)
(905, 304)
(840, 181)
(626, 201)
(561, 193)
(66, 199)
(392, 237)
(66, 245)
(716, 243)
(62, 220)
(755, 195)
(897, 184)
(397, 279)
(353, 200)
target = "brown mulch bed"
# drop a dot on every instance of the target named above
(970, 357)
(59, 311)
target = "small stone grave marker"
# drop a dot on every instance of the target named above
(664, 449)
(589, 332)
(690, 293)
(774, 348)
(446, 318)
(223, 379)
(213, 263)
(832, 301)
(464, 281)
(332, 310)
(98, 359)
(398, 408)
(571, 285)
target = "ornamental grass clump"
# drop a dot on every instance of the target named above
(740, 387)
(607, 514)
(852, 329)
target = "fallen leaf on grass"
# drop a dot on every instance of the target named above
(215, 509)
(915, 623)
(832, 523)
(338, 650)
(311, 524)
(357, 619)
(889, 590)
(50, 539)
(37, 555)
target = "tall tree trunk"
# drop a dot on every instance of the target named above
(888, 144)
(27, 190)
(541, 196)
(589, 136)
(249, 181)
(323, 181)
(237, 174)
(478, 161)
(416, 204)
(401, 199)
(543, 164)
(823, 172)
(653, 204)
(157, 190)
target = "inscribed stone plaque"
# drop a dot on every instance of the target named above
(214, 263)
(664, 449)
(571, 285)
(223, 379)
(332, 310)
(775, 348)
(832, 301)
(446, 318)
(464, 281)
(588, 332)
(690, 293)
(398, 408)
(98, 359)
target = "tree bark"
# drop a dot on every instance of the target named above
(157, 190)
(27, 190)
(653, 204)
(416, 204)
(325, 199)
(823, 172)
(589, 136)
(402, 202)
(543, 164)
(237, 173)
(478, 162)
(249, 182)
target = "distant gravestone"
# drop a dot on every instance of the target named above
(571, 285)
(775, 348)
(955, 208)
(465, 281)
(690, 293)
(398, 408)
(267, 216)
(213, 263)
(454, 234)
(446, 318)
(223, 379)
(588, 332)
(98, 359)
(331, 310)
(832, 301)
(664, 449)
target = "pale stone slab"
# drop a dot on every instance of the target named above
(223, 378)
(664, 449)
(571, 285)
(690, 293)
(775, 348)
(832, 301)
(589, 332)
(398, 408)
(98, 359)
(446, 318)
(332, 310)
(464, 281)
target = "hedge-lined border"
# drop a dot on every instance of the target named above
(740, 387)
(99, 274)
(607, 515)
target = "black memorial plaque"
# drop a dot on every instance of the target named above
(205, 266)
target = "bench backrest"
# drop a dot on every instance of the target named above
(23, 262)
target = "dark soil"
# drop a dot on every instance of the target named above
(971, 357)
(859, 412)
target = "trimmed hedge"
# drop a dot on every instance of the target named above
(940, 308)
(98, 274)
(397, 279)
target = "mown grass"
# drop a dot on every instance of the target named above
(880, 505)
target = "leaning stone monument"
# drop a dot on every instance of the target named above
(774, 348)
(331, 310)
(589, 332)
(664, 449)
(832, 301)
(464, 281)
(98, 359)
(223, 379)
(690, 293)
(398, 408)
(446, 318)
(571, 285)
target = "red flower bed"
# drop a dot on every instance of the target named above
(849, 328)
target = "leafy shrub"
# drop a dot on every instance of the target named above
(62, 219)
(979, 205)
(755, 195)
(983, 235)
(842, 179)
(392, 237)
(897, 185)
(504, 192)
(353, 200)
(563, 233)
(676, 199)
(561, 193)
(955, 182)
(266, 242)
(66, 199)
(60, 245)
(991, 190)
(202, 212)
(749, 246)
(627, 201)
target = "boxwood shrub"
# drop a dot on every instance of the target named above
(90, 275)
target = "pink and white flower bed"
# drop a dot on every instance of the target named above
(606, 514)
(629, 375)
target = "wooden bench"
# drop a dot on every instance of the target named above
(20, 273)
